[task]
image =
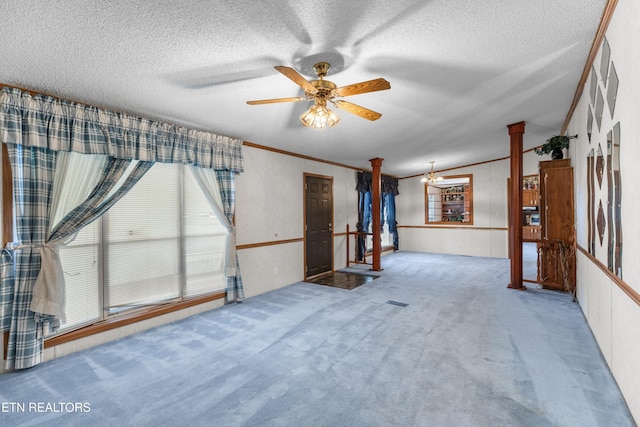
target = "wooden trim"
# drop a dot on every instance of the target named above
(387, 248)
(595, 46)
(315, 175)
(271, 243)
(458, 167)
(454, 227)
(7, 198)
(469, 165)
(631, 293)
(278, 242)
(138, 316)
(315, 159)
(304, 157)
(509, 248)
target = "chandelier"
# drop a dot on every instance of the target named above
(431, 177)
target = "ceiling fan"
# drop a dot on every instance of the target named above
(323, 91)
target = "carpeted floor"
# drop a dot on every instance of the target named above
(460, 349)
(530, 264)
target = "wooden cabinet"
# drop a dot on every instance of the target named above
(557, 245)
(530, 208)
(530, 197)
(531, 232)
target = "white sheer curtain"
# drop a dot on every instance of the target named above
(75, 177)
(206, 179)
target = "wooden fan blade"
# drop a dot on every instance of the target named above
(363, 87)
(365, 113)
(273, 101)
(296, 78)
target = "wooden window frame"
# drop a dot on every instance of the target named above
(450, 223)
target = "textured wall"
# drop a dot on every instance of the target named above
(269, 208)
(486, 237)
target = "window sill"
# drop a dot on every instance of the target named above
(138, 316)
(451, 223)
(383, 249)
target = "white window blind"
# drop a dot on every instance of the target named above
(142, 241)
(81, 265)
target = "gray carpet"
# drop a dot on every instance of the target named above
(465, 351)
(530, 264)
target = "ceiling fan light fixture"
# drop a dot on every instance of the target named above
(319, 117)
(322, 91)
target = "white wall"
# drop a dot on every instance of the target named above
(613, 316)
(488, 234)
(269, 208)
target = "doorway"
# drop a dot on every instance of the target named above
(530, 221)
(318, 236)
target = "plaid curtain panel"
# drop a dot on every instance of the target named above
(33, 172)
(226, 180)
(67, 126)
(6, 289)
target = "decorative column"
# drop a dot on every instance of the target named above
(376, 190)
(516, 130)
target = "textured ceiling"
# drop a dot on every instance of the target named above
(460, 71)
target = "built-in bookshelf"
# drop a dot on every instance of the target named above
(531, 207)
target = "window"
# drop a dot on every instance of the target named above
(449, 201)
(386, 237)
(161, 242)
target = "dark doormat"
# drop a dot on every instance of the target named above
(342, 280)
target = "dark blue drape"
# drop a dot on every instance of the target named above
(392, 224)
(387, 204)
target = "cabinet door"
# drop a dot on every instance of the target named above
(558, 197)
(535, 232)
(530, 232)
(530, 197)
(526, 197)
(557, 226)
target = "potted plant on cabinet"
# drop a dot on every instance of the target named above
(555, 145)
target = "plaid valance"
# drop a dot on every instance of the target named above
(62, 125)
